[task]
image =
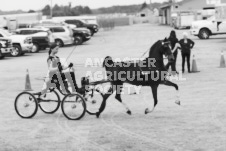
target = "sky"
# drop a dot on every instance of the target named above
(8, 5)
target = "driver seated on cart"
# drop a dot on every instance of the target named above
(56, 78)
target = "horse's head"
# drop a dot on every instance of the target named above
(108, 62)
(166, 49)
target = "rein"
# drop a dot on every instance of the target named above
(70, 54)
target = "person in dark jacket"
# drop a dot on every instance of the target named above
(174, 45)
(186, 46)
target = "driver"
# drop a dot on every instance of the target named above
(55, 77)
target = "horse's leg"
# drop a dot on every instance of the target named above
(169, 83)
(103, 104)
(154, 93)
(118, 97)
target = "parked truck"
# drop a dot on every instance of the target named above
(39, 37)
(5, 47)
(21, 43)
(214, 25)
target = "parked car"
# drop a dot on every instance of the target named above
(5, 47)
(63, 35)
(1, 54)
(80, 24)
(81, 35)
(39, 36)
(21, 43)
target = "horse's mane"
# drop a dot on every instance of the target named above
(155, 46)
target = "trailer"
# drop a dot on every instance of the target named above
(183, 19)
(13, 21)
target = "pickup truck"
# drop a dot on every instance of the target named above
(79, 24)
(214, 25)
(21, 44)
(5, 47)
(206, 28)
(39, 37)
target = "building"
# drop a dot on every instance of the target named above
(147, 14)
(145, 10)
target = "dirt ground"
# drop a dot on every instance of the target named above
(199, 124)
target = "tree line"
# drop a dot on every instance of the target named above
(66, 10)
(130, 9)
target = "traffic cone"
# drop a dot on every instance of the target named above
(134, 93)
(28, 82)
(222, 61)
(194, 68)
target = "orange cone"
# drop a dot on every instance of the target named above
(28, 82)
(194, 68)
(222, 61)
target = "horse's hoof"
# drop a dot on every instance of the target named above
(177, 102)
(97, 114)
(129, 112)
(146, 111)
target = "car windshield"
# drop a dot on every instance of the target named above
(6, 33)
(212, 18)
(84, 21)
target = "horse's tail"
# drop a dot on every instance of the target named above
(108, 62)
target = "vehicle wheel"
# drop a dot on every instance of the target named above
(78, 40)
(43, 48)
(49, 103)
(204, 34)
(1, 55)
(26, 105)
(35, 48)
(73, 106)
(93, 99)
(59, 42)
(92, 32)
(16, 51)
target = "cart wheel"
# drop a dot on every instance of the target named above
(93, 101)
(73, 106)
(26, 105)
(49, 103)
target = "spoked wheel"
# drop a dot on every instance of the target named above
(50, 102)
(73, 106)
(26, 105)
(94, 100)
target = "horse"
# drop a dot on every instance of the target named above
(141, 73)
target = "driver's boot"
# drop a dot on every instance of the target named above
(75, 88)
(66, 87)
(37, 93)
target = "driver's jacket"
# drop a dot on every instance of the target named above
(53, 64)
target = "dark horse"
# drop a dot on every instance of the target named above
(149, 72)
